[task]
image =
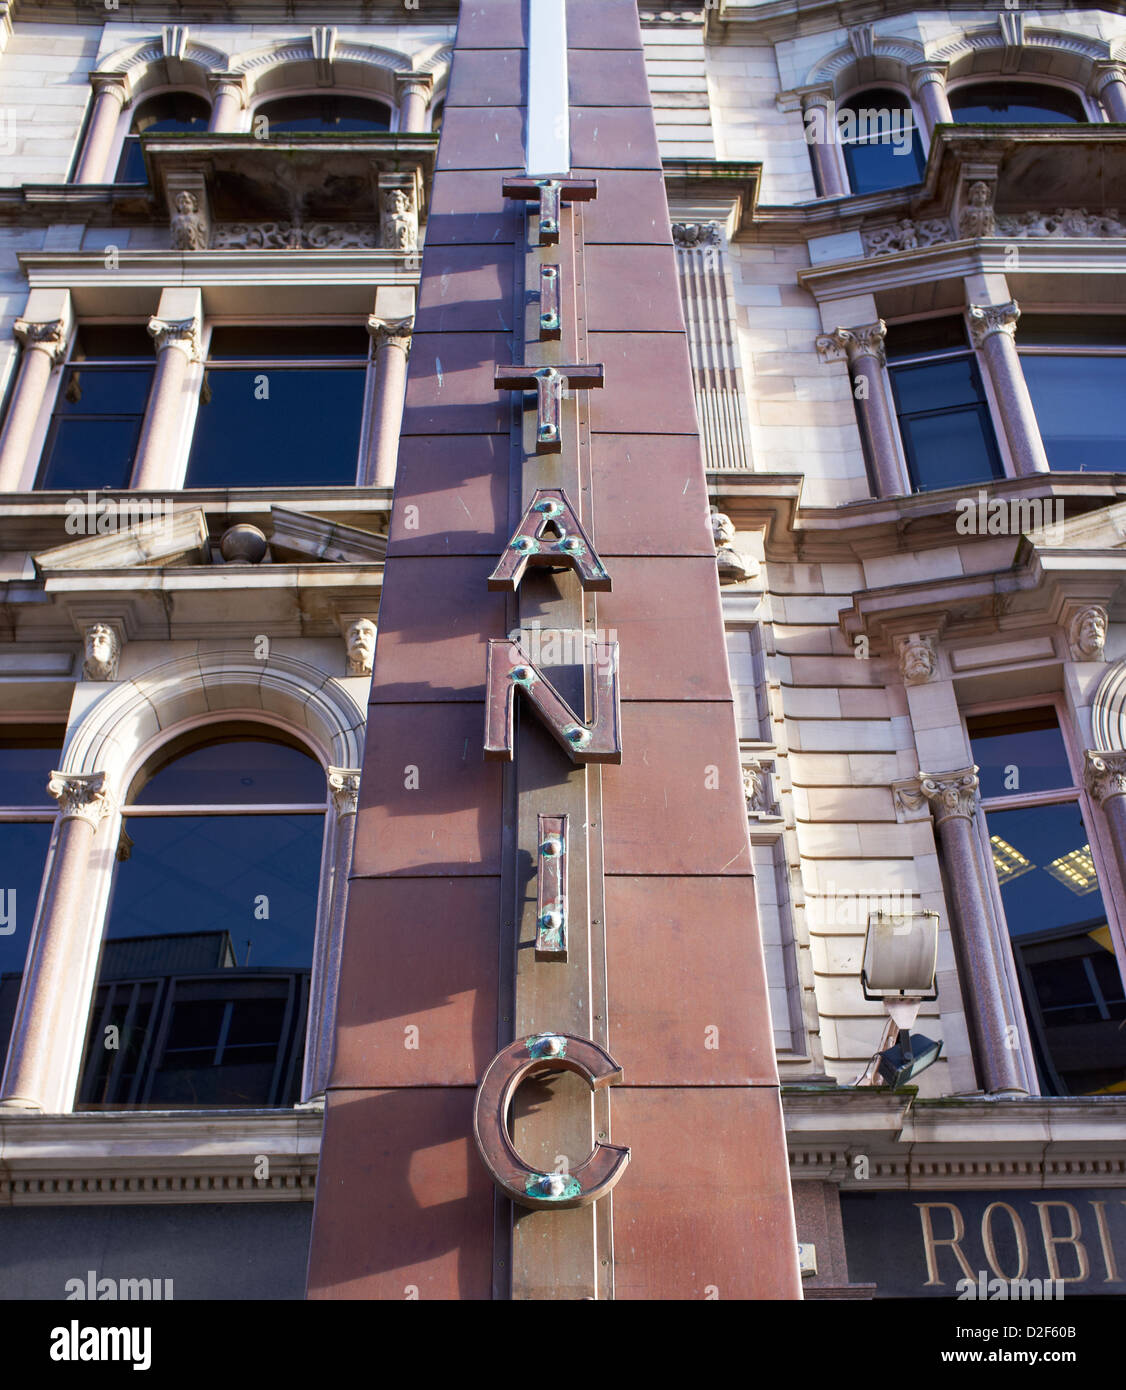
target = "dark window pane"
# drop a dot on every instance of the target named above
(95, 341)
(1019, 751)
(104, 390)
(95, 427)
(1070, 980)
(23, 855)
(205, 962)
(235, 772)
(1072, 330)
(985, 103)
(1080, 405)
(169, 113)
(944, 421)
(926, 335)
(84, 454)
(28, 756)
(319, 341)
(881, 147)
(936, 385)
(331, 114)
(277, 427)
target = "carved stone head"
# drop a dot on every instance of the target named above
(723, 529)
(360, 641)
(979, 195)
(917, 659)
(102, 652)
(1087, 634)
(186, 203)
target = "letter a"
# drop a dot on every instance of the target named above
(550, 533)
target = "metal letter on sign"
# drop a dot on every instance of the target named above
(509, 669)
(569, 546)
(545, 1052)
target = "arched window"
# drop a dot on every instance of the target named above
(996, 102)
(882, 148)
(203, 983)
(169, 112)
(323, 114)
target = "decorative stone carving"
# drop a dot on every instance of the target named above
(344, 789)
(399, 229)
(758, 778)
(950, 795)
(189, 229)
(49, 337)
(1086, 634)
(733, 565)
(906, 235)
(851, 343)
(182, 334)
(1104, 773)
(243, 544)
(689, 235)
(976, 218)
(103, 651)
(288, 236)
(391, 332)
(918, 660)
(1063, 222)
(360, 643)
(987, 319)
(81, 796)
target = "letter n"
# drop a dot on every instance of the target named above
(509, 670)
(550, 533)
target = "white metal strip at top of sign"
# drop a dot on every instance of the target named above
(549, 117)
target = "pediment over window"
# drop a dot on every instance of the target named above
(1059, 566)
(167, 577)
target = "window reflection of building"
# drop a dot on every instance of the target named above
(1070, 981)
(203, 984)
(27, 814)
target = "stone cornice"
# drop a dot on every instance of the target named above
(148, 1158)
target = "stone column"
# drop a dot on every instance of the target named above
(952, 797)
(112, 93)
(228, 101)
(414, 90)
(819, 112)
(392, 338)
(44, 346)
(46, 1010)
(864, 350)
(1109, 85)
(1104, 774)
(993, 330)
(344, 793)
(928, 87)
(177, 346)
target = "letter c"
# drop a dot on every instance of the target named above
(544, 1052)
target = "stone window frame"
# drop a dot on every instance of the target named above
(845, 94)
(175, 458)
(1093, 109)
(129, 111)
(107, 743)
(179, 457)
(1076, 793)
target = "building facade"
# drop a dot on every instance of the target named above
(900, 258)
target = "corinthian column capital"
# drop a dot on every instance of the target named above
(344, 788)
(853, 343)
(987, 319)
(922, 73)
(81, 796)
(49, 337)
(176, 333)
(950, 795)
(391, 332)
(115, 84)
(1104, 774)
